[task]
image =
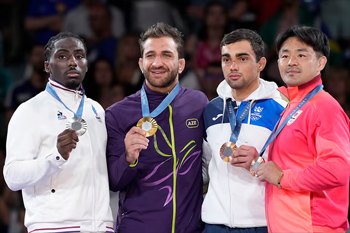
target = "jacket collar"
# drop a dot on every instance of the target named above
(266, 90)
(298, 92)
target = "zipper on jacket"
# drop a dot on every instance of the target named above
(93, 193)
(267, 208)
(230, 196)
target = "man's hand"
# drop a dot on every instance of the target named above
(269, 172)
(66, 142)
(135, 141)
(244, 156)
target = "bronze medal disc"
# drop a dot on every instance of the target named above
(78, 125)
(255, 164)
(226, 151)
(149, 125)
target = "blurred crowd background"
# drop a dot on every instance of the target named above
(111, 29)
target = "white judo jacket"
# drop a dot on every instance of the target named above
(59, 195)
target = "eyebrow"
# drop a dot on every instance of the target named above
(298, 50)
(164, 51)
(237, 55)
(66, 50)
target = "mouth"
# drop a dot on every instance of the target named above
(72, 73)
(158, 72)
(293, 71)
(234, 76)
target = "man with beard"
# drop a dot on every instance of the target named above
(29, 86)
(56, 148)
(155, 142)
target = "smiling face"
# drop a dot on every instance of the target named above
(298, 63)
(67, 64)
(240, 68)
(160, 63)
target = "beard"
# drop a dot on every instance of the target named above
(161, 82)
(73, 84)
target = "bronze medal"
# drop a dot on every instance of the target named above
(226, 151)
(149, 125)
(255, 164)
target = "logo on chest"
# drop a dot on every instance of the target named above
(294, 117)
(192, 123)
(60, 116)
(256, 114)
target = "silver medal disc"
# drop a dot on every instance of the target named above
(77, 124)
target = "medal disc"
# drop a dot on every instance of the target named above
(255, 164)
(149, 125)
(226, 151)
(77, 124)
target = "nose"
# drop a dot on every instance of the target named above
(157, 61)
(234, 66)
(292, 61)
(72, 61)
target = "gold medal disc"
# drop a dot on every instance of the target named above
(77, 124)
(255, 164)
(149, 125)
(226, 151)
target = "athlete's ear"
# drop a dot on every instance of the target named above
(140, 64)
(182, 64)
(47, 67)
(261, 64)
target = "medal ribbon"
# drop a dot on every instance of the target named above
(79, 112)
(274, 133)
(236, 121)
(161, 106)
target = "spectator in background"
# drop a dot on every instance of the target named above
(291, 13)
(44, 18)
(195, 11)
(127, 68)
(335, 15)
(209, 38)
(213, 77)
(145, 13)
(28, 87)
(103, 43)
(4, 210)
(262, 10)
(78, 21)
(336, 82)
(100, 82)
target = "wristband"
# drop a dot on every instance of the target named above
(279, 180)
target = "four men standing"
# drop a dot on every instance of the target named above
(154, 145)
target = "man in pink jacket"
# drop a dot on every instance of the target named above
(307, 188)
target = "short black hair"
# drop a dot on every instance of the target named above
(311, 36)
(253, 37)
(159, 30)
(60, 36)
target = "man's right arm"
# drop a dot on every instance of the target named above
(23, 168)
(206, 157)
(121, 160)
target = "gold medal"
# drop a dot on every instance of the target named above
(226, 151)
(77, 124)
(149, 125)
(255, 164)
